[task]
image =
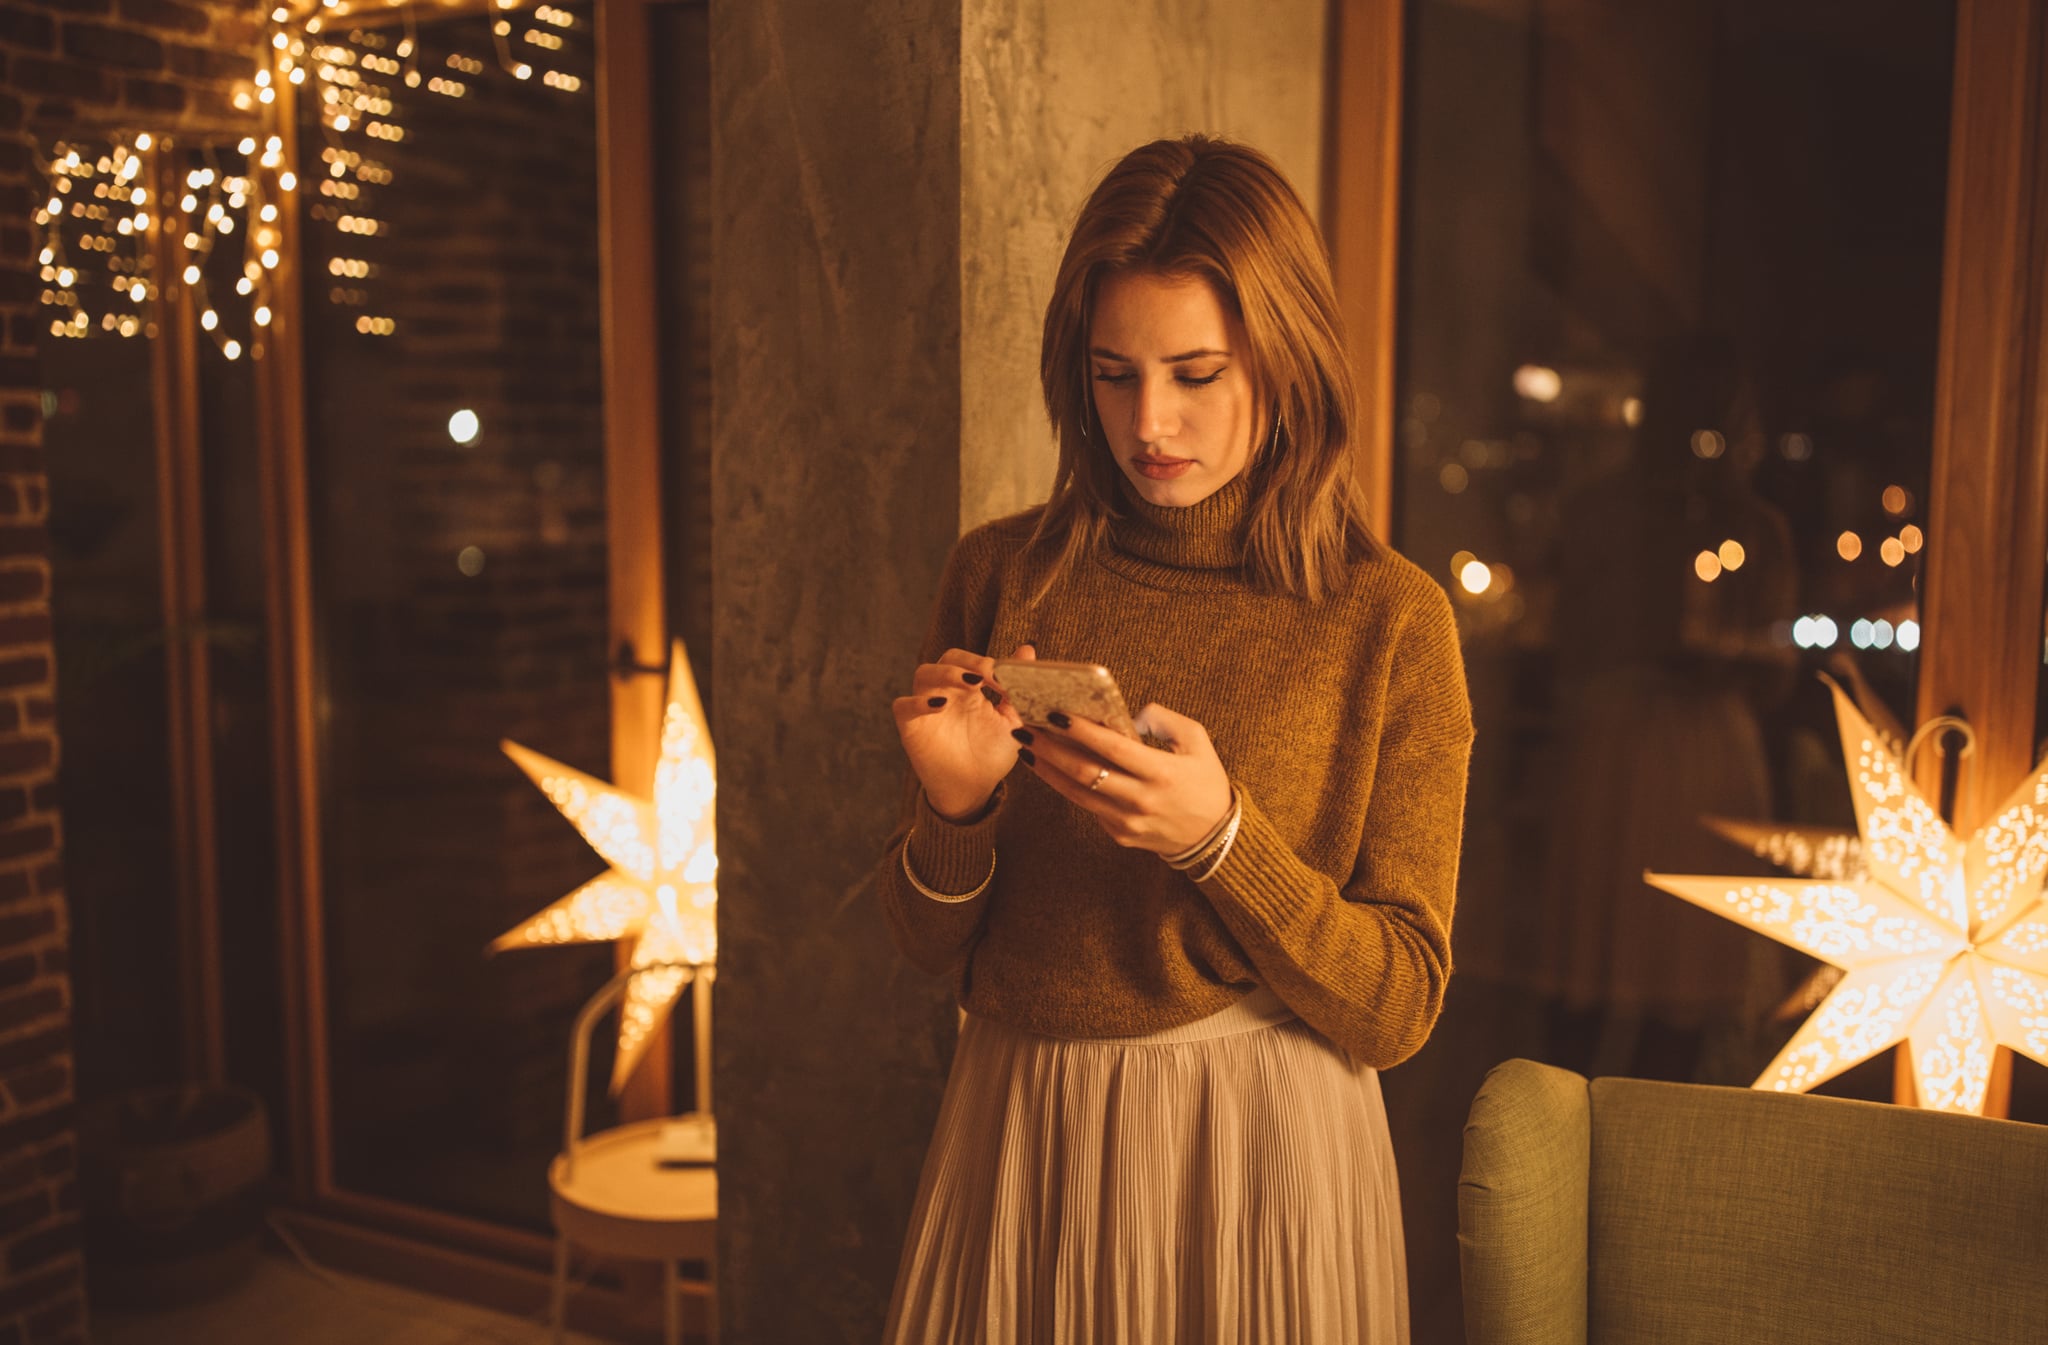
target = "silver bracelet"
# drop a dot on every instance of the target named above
(1229, 839)
(950, 898)
(1188, 858)
(1213, 844)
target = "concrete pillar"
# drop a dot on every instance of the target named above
(891, 183)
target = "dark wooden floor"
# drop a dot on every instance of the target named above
(285, 1303)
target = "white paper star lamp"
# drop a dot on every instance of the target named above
(1803, 852)
(661, 890)
(1944, 943)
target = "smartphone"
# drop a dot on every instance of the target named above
(1037, 687)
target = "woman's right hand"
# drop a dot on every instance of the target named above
(958, 739)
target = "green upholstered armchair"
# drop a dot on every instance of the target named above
(1626, 1211)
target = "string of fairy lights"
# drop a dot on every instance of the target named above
(97, 212)
(359, 84)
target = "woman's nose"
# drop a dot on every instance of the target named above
(1156, 415)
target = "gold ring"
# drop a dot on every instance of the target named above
(1100, 776)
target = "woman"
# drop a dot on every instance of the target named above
(1181, 968)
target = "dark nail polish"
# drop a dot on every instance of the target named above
(1024, 755)
(993, 697)
(1059, 720)
(937, 702)
(972, 679)
(1022, 736)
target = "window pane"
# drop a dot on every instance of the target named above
(457, 488)
(1671, 294)
(107, 611)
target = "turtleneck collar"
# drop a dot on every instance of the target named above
(1207, 535)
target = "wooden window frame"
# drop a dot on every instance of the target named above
(181, 503)
(1361, 206)
(1981, 589)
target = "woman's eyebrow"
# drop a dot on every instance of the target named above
(1101, 353)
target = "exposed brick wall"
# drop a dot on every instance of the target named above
(67, 67)
(41, 1290)
(150, 65)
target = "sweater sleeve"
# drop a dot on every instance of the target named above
(946, 856)
(1366, 963)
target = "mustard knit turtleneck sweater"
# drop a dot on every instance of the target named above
(1344, 724)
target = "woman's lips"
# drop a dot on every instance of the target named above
(1161, 469)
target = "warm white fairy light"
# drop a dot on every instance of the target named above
(1944, 943)
(97, 205)
(358, 75)
(661, 889)
(222, 209)
(96, 250)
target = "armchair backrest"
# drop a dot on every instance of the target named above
(1725, 1214)
(1522, 1217)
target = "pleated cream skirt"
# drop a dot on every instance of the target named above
(1229, 1182)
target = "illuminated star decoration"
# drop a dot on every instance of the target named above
(1803, 852)
(1944, 943)
(661, 889)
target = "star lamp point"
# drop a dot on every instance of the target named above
(660, 891)
(1940, 942)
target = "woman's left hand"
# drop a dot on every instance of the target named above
(1145, 797)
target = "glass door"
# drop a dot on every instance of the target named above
(1672, 284)
(455, 472)
(463, 429)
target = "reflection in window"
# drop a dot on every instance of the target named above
(1669, 316)
(1672, 293)
(457, 491)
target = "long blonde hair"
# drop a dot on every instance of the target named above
(1206, 208)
